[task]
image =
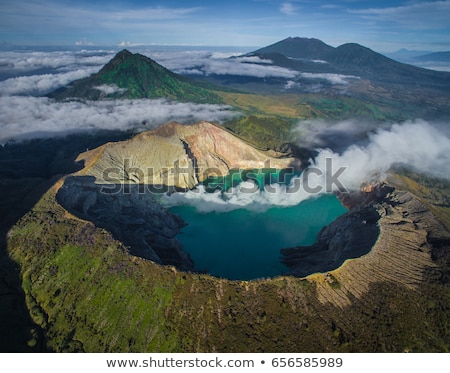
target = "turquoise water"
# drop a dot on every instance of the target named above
(245, 245)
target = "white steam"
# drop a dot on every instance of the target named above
(245, 195)
(418, 145)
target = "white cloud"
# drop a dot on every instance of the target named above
(48, 13)
(109, 89)
(151, 14)
(17, 63)
(417, 15)
(433, 65)
(243, 196)
(237, 67)
(208, 63)
(337, 79)
(41, 84)
(29, 117)
(128, 44)
(289, 9)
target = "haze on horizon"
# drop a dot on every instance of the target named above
(382, 25)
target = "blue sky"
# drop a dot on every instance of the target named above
(379, 24)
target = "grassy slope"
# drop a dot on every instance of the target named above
(267, 121)
(305, 106)
(84, 289)
(150, 80)
(138, 77)
(88, 294)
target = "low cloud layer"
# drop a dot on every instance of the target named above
(333, 79)
(30, 117)
(418, 145)
(109, 89)
(24, 75)
(38, 85)
(338, 79)
(209, 63)
(38, 73)
(19, 62)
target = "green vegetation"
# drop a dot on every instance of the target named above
(341, 108)
(263, 132)
(83, 288)
(310, 106)
(27, 170)
(268, 121)
(136, 76)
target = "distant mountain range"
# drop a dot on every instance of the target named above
(350, 70)
(409, 56)
(436, 56)
(405, 54)
(299, 48)
(130, 76)
(314, 56)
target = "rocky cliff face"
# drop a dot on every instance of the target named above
(175, 155)
(399, 240)
(349, 236)
(133, 217)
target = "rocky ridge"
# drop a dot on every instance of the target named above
(396, 236)
(176, 155)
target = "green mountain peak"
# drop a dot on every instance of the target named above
(134, 76)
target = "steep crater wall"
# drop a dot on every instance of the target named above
(349, 236)
(132, 216)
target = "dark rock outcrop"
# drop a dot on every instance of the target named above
(132, 216)
(349, 236)
(386, 226)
